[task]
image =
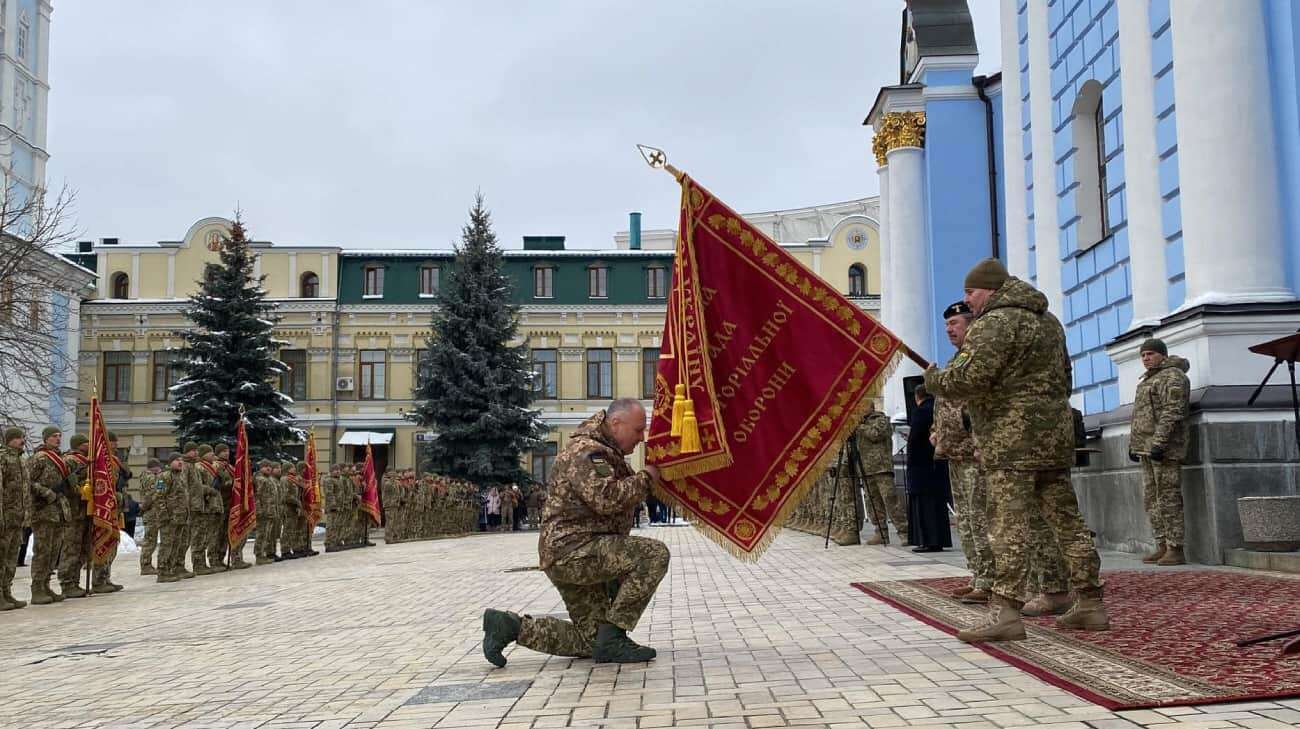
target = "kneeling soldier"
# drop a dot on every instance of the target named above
(605, 577)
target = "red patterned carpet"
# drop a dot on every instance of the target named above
(1170, 642)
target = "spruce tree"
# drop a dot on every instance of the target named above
(230, 358)
(475, 388)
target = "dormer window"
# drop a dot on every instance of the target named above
(598, 282)
(429, 280)
(543, 282)
(373, 286)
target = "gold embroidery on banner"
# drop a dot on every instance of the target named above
(745, 530)
(705, 504)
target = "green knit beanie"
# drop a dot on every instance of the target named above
(987, 274)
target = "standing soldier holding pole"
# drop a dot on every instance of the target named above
(118, 475)
(15, 513)
(76, 537)
(224, 482)
(1013, 374)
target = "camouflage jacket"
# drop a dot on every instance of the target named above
(210, 491)
(593, 492)
(175, 495)
(336, 499)
(952, 439)
(226, 483)
(876, 444)
(15, 494)
(196, 480)
(266, 496)
(1160, 409)
(80, 466)
(49, 486)
(1013, 375)
(152, 507)
(290, 499)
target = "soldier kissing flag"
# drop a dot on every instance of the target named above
(243, 507)
(102, 501)
(764, 372)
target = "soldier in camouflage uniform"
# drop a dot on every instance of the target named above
(586, 551)
(51, 481)
(266, 498)
(1013, 374)
(224, 483)
(152, 511)
(102, 575)
(952, 441)
(290, 510)
(76, 537)
(15, 513)
(1159, 443)
(175, 498)
(201, 498)
(337, 505)
(212, 475)
(391, 499)
(876, 449)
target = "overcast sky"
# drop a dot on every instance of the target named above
(371, 124)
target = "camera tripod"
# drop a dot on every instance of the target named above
(859, 481)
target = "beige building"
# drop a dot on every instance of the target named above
(355, 322)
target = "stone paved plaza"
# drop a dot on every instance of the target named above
(389, 637)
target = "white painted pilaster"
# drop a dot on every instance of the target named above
(1141, 165)
(171, 275)
(911, 313)
(1047, 232)
(1013, 162)
(293, 275)
(133, 288)
(886, 273)
(1227, 154)
(325, 287)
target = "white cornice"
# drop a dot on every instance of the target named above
(943, 63)
(950, 92)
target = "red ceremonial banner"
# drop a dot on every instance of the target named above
(370, 497)
(775, 365)
(105, 530)
(243, 507)
(311, 495)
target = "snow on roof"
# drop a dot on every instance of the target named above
(509, 253)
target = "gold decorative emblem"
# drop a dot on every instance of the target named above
(898, 129)
(744, 530)
(879, 344)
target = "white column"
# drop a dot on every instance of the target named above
(1141, 165)
(293, 276)
(133, 285)
(1047, 233)
(1227, 155)
(171, 274)
(910, 313)
(1013, 159)
(325, 283)
(893, 397)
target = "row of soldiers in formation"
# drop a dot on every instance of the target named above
(426, 507)
(43, 492)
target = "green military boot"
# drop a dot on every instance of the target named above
(1004, 623)
(613, 646)
(102, 588)
(41, 594)
(147, 568)
(6, 606)
(168, 576)
(9, 597)
(1048, 603)
(1087, 614)
(1173, 555)
(500, 629)
(74, 591)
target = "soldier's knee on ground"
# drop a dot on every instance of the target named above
(657, 558)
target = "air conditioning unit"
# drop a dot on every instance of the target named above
(343, 384)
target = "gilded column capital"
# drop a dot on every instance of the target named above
(898, 129)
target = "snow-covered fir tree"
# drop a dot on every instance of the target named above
(475, 388)
(230, 358)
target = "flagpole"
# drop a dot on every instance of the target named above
(658, 159)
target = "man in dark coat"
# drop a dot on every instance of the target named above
(928, 487)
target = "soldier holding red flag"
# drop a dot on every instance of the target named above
(75, 536)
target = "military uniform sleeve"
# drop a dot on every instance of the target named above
(1171, 402)
(979, 363)
(602, 490)
(875, 429)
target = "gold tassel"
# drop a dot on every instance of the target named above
(690, 429)
(679, 409)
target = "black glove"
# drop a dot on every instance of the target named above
(1133, 457)
(1157, 453)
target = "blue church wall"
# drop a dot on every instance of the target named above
(1083, 47)
(1284, 59)
(999, 168)
(957, 197)
(1171, 216)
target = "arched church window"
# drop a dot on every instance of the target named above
(1089, 127)
(121, 285)
(310, 285)
(857, 280)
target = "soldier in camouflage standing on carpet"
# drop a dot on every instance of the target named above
(1159, 443)
(1013, 374)
(15, 513)
(876, 448)
(953, 442)
(586, 551)
(153, 511)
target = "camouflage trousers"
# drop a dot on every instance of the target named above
(968, 494)
(217, 540)
(148, 542)
(73, 559)
(1162, 484)
(268, 533)
(200, 538)
(334, 528)
(11, 537)
(1048, 572)
(608, 580)
(883, 502)
(47, 544)
(103, 574)
(1013, 497)
(175, 543)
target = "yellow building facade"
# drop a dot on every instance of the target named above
(355, 321)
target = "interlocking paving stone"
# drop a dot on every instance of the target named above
(458, 692)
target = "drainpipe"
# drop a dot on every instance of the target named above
(980, 83)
